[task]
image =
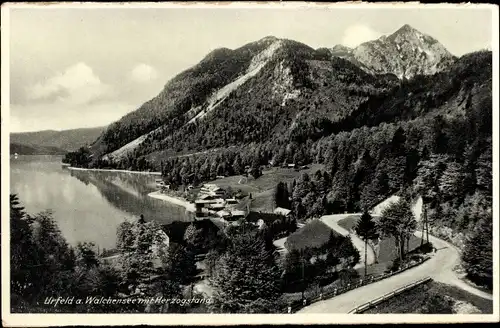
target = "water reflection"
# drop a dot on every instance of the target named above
(128, 192)
(87, 205)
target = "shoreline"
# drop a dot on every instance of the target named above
(173, 200)
(109, 170)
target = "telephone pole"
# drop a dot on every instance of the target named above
(303, 286)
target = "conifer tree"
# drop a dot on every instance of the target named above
(247, 279)
(366, 230)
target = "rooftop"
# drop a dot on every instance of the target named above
(282, 211)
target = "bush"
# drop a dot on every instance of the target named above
(437, 304)
(425, 248)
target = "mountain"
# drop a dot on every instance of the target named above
(66, 140)
(242, 95)
(20, 149)
(405, 53)
(279, 89)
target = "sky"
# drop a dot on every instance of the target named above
(85, 67)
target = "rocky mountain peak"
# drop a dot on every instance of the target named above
(405, 53)
(268, 39)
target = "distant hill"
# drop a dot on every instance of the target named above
(35, 150)
(67, 140)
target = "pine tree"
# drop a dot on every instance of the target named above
(398, 221)
(246, 278)
(23, 253)
(426, 183)
(484, 172)
(366, 230)
(180, 264)
(451, 181)
(478, 253)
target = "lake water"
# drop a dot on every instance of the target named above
(88, 205)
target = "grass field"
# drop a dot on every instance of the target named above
(313, 234)
(349, 222)
(262, 188)
(413, 300)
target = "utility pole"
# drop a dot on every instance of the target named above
(426, 226)
(303, 285)
(422, 216)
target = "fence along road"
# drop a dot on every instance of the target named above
(439, 268)
(375, 302)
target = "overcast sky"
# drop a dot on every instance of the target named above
(75, 68)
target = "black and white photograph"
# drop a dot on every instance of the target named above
(322, 163)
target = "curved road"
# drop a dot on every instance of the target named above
(439, 267)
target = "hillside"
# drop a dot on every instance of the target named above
(67, 140)
(35, 150)
(261, 89)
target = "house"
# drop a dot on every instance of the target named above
(231, 201)
(223, 214)
(161, 184)
(282, 211)
(208, 197)
(237, 214)
(212, 189)
(216, 206)
(260, 218)
(291, 166)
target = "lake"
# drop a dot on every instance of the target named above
(88, 205)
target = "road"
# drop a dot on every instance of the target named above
(439, 267)
(332, 222)
(280, 244)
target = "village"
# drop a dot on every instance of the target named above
(214, 202)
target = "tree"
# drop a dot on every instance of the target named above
(247, 278)
(302, 188)
(366, 230)
(375, 190)
(484, 172)
(426, 183)
(478, 253)
(237, 166)
(451, 183)
(24, 261)
(180, 264)
(293, 267)
(437, 304)
(281, 196)
(56, 257)
(86, 256)
(398, 221)
(124, 236)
